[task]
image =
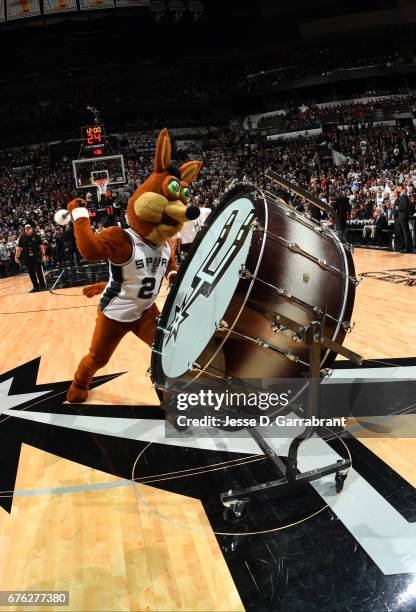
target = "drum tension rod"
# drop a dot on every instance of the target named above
(295, 248)
(280, 323)
(266, 345)
(203, 370)
(157, 352)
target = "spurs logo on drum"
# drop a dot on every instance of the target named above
(405, 276)
(211, 271)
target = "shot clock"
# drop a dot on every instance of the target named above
(93, 139)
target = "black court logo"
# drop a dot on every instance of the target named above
(405, 276)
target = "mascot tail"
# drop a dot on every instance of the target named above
(92, 290)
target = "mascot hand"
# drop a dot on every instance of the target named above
(75, 203)
(171, 277)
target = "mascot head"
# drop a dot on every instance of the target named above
(159, 207)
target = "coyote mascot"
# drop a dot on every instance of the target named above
(139, 258)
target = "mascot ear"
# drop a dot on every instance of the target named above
(190, 170)
(163, 151)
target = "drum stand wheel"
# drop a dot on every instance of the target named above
(235, 511)
(340, 479)
(235, 501)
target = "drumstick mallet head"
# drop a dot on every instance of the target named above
(62, 217)
(192, 213)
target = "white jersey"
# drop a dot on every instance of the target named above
(134, 286)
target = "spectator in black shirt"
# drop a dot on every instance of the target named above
(32, 252)
(403, 209)
(342, 207)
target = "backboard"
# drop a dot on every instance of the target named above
(84, 169)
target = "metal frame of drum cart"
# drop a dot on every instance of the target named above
(235, 501)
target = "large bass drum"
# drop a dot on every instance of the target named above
(256, 266)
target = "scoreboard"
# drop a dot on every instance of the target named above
(93, 140)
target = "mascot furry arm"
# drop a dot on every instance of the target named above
(156, 212)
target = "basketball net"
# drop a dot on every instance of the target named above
(101, 184)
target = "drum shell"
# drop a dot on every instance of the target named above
(304, 278)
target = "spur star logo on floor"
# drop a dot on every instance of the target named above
(405, 276)
(110, 438)
(20, 392)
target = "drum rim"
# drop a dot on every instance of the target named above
(235, 191)
(347, 282)
(250, 288)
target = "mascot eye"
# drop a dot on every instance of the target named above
(186, 194)
(174, 188)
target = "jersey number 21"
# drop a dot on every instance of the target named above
(148, 286)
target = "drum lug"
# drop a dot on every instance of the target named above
(348, 326)
(243, 272)
(163, 329)
(277, 327)
(326, 372)
(222, 326)
(296, 338)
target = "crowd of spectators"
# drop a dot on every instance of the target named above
(302, 118)
(375, 160)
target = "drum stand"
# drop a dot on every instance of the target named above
(235, 502)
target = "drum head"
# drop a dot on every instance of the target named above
(203, 289)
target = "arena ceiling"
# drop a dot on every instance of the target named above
(86, 41)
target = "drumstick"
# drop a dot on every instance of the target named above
(309, 197)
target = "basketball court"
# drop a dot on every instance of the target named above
(95, 502)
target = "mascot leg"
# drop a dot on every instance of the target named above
(107, 335)
(145, 327)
